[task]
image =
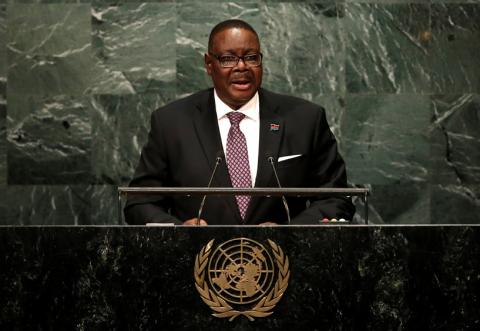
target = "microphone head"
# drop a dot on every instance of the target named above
(219, 156)
(269, 156)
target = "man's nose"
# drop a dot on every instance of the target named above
(241, 64)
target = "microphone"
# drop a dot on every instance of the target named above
(285, 204)
(218, 160)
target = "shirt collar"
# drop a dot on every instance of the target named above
(250, 109)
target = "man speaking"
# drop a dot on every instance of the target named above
(240, 128)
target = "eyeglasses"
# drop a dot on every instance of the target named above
(230, 61)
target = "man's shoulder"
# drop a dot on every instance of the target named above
(289, 102)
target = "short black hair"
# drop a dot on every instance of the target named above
(229, 24)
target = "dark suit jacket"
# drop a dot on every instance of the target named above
(184, 142)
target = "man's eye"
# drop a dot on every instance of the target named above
(252, 57)
(228, 59)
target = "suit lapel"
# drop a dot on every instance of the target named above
(206, 127)
(271, 133)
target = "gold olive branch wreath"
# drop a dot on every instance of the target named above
(221, 307)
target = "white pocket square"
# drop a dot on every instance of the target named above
(288, 157)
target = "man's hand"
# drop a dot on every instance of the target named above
(268, 224)
(193, 221)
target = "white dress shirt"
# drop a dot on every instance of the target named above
(250, 127)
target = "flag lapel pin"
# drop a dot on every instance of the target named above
(274, 127)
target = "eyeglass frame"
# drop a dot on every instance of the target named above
(238, 59)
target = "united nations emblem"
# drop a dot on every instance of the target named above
(240, 277)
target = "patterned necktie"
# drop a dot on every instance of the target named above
(237, 160)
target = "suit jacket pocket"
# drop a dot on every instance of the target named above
(291, 162)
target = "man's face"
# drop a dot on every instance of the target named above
(237, 85)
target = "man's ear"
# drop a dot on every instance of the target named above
(208, 64)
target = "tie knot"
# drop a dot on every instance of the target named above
(235, 117)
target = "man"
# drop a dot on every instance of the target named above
(244, 125)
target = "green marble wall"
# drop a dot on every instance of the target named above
(400, 81)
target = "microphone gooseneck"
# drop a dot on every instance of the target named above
(285, 204)
(217, 162)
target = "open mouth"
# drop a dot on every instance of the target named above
(242, 84)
